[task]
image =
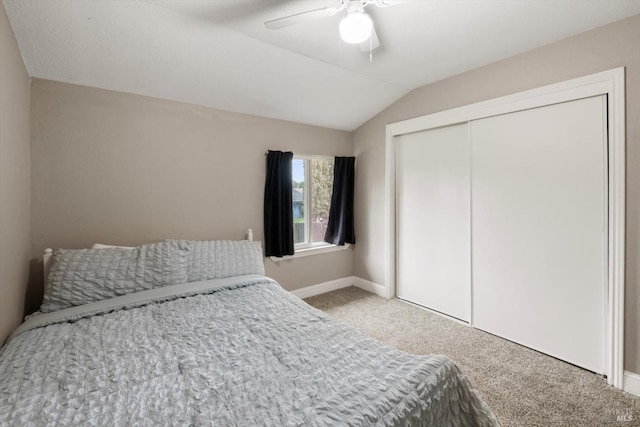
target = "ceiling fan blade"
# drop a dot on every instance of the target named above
(371, 43)
(301, 17)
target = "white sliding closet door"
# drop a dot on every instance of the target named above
(432, 219)
(539, 228)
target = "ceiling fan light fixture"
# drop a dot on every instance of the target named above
(355, 27)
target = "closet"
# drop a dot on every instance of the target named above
(502, 222)
(434, 219)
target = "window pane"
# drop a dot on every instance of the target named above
(321, 188)
(298, 200)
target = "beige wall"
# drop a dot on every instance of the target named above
(14, 180)
(125, 169)
(608, 47)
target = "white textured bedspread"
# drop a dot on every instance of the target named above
(225, 354)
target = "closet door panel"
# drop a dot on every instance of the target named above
(539, 229)
(433, 219)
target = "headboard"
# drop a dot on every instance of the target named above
(46, 258)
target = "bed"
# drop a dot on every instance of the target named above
(194, 333)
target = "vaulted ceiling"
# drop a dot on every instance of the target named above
(218, 53)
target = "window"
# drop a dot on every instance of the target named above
(312, 187)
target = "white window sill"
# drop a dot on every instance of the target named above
(311, 251)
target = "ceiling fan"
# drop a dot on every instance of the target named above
(355, 28)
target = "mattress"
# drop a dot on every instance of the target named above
(237, 351)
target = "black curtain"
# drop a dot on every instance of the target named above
(278, 206)
(340, 228)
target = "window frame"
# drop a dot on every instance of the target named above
(308, 203)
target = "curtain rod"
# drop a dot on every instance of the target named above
(309, 156)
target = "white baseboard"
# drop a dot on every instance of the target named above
(631, 383)
(323, 288)
(374, 288)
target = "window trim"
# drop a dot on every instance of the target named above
(319, 249)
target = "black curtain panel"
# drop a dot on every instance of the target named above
(278, 208)
(340, 228)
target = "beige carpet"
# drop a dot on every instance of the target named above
(522, 387)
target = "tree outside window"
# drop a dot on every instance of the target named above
(312, 187)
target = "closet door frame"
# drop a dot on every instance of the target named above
(610, 83)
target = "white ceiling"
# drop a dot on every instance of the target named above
(218, 53)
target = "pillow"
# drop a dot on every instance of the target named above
(81, 276)
(162, 264)
(102, 246)
(215, 259)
